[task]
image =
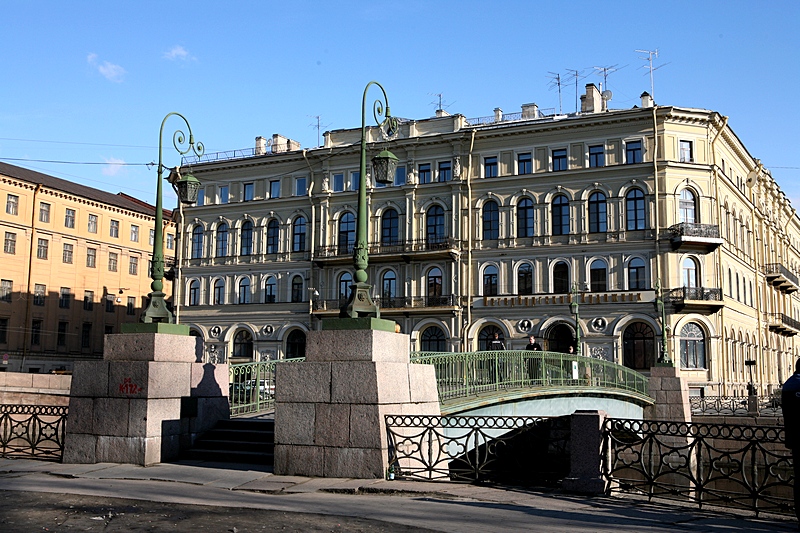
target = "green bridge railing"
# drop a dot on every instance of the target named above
(462, 374)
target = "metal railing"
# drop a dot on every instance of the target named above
(393, 302)
(271, 149)
(733, 406)
(460, 374)
(777, 269)
(745, 467)
(689, 229)
(508, 117)
(785, 320)
(252, 386)
(32, 431)
(695, 294)
(479, 448)
(391, 247)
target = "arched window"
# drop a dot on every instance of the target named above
(434, 288)
(243, 345)
(434, 225)
(347, 234)
(194, 292)
(388, 289)
(219, 292)
(730, 283)
(561, 278)
(299, 234)
(222, 240)
(690, 273)
(247, 238)
(272, 237)
(525, 218)
(270, 290)
(490, 280)
(390, 228)
(345, 280)
(598, 216)
(638, 346)
(433, 339)
(687, 206)
(636, 274)
(487, 335)
(525, 279)
(244, 291)
(598, 276)
(560, 214)
(296, 344)
(297, 289)
(738, 289)
(634, 210)
(491, 221)
(197, 242)
(693, 346)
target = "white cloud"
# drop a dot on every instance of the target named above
(114, 166)
(109, 70)
(179, 53)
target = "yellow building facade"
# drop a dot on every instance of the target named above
(75, 266)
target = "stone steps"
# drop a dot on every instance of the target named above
(236, 441)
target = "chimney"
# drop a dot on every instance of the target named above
(647, 100)
(592, 101)
(498, 114)
(530, 111)
(261, 145)
(442, 113)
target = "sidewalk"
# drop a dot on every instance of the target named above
(436, 506)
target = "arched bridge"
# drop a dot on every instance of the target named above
(532, 383)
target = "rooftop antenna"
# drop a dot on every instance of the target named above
(574, 73)
(605, 71)
(650, 55)
(556, 83)
(318, 126)
(439, 102)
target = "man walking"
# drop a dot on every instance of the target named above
(790, 402)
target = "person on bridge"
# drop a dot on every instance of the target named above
(533, 345)
(790, 403)
(534, 363)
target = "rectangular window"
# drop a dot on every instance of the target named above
(92, 226)
(597, 156)
(152, 237)
(424, 171)
(445, 171)
(91, 257)
(114, 229)
(400, 176)
(61, 339)
(633, 152)
(6, 286)
(69, 218)
(300, 188)
(249, 192)
(66, 257)
(112, 262)
(338, 182)
(559, 159)
(12, 204)
(201, 197)
(133, 266)
(41, 249)
(686, 152)
(36, 333)
(64, 297)
(3, 330)
(134, 233)
(170, 241)
(44, 212)
(275, 189)
(10, 243)
(86, 335)
(110, 303)
(88, 300)
(223, 194)
(490, 167)
(524, 163)
(131, 307)
(39, 291)
(354, 179)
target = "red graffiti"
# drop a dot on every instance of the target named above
(129, 387)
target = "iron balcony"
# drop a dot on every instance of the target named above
(699, 237)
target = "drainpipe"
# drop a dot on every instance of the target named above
(29, 302)
(176, 281)
(660, 283)
(715, 176)
(469, 242)
(313, 237)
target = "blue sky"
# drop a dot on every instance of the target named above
(90, 82)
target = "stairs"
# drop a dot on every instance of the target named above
(238, 440)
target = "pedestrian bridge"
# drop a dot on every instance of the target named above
(530, 383)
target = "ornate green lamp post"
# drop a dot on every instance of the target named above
(663, 357)
(156, 317)
(574, 308)
(384, 165)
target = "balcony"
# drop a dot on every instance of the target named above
(780, 278)
(395, 304)
(696, 299)
(419, 249)
(695, 237)
(783, 325)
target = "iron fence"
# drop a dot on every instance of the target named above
(460, 374)
(32, 431)
(745, 467)
(252, 386)
(687, 229)
(695, 293)
(733, 406)
(503, 449)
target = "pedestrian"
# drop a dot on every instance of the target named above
(496, 344)
(570, 350)
(534, 362)
(790, 403)
(495, 367)
(533, 345)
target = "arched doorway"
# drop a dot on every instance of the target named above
(433, 339)
(638, 346)
(559, 338)
(296, 344)
(243, 346)
(487, 334)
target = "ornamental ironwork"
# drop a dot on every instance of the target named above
(32, 431)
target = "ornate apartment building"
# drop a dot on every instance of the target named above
(75, 266)
(656, 221)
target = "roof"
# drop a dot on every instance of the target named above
(118, 200)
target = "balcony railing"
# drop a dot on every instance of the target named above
(395, 302)
(783, 324)
(390, 247)
(703, 294)
(781, 277)
(271, 149)
(688, 229)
